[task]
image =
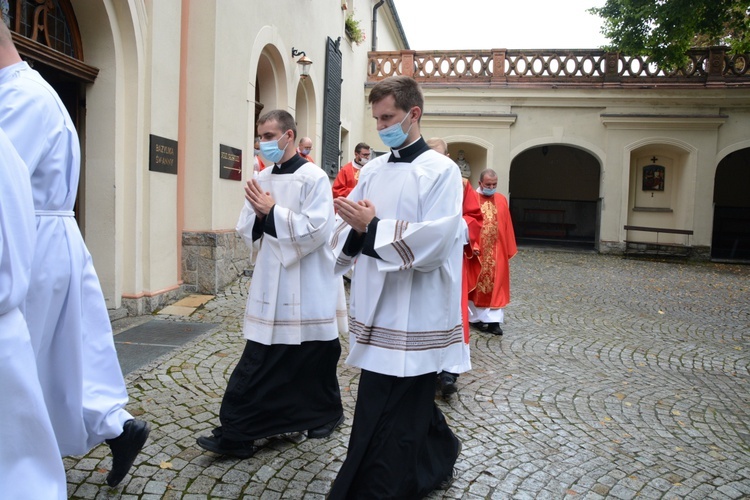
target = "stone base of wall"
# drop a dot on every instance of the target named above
(147, 304)
(700, 253)
(612, 247)
(212, 259)
(694, 253)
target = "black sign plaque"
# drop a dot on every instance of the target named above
(162, 155)
(230, 163)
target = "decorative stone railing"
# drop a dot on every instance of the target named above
(558, 67)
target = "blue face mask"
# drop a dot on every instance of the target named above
(270, 150)
(394, 136)
(488, 191)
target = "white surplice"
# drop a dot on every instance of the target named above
(65, 309)
(405, 307)
(293, 293)
(30, 464)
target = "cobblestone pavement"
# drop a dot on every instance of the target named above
(615, 379)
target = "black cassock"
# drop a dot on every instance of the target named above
(401, 445)
(277, 389)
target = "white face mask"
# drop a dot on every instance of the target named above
(362, 161)
(271, 150)
(394, 136)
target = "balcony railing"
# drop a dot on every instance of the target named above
(552, 68)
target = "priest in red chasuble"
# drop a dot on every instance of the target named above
(472, 215)
(348, 176)
(497, 245)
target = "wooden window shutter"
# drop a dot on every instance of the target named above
(332, 108)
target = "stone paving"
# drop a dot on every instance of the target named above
(615, 378)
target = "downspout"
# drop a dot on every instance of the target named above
(375, 24)
(182, 129)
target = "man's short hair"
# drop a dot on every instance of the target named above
(488, 172)
(359, 147)
(283, 118)
(438, 145)
(404, 89)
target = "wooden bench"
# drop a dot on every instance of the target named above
(657, 248)
(543, 222)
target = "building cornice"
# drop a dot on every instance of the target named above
(501, 120)
(642, 121)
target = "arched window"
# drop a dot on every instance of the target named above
(46, 31)
(48, 23)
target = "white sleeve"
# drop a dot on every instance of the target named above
(424, 245)
(299, 234)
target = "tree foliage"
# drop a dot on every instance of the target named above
(664, 30)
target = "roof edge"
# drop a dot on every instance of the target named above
(399, 26)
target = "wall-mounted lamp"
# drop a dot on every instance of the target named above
(304, 63)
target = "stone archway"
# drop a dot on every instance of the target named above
(304, 114)
(272, 76)
(554, 196)
(730, 239)
(267, 88)
(270, 89)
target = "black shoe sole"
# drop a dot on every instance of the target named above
(322, 431)
(494, 329)
(208, 444)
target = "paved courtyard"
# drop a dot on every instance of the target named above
(615, 378)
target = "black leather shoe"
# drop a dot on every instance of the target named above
(221, 446)
(325, 430)
(480, 325)
(494, 329)
(125, 448)
(447, 384)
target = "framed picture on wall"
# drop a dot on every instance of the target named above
(653, 178)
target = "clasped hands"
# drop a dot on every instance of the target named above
(261, 201)
(358, 214)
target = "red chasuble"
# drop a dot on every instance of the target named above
(473, 217)
(345, 181)
(497, 245)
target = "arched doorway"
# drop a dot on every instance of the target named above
(304, 114)
(731, 229)
(47, 37)
(270, 83)
(554, 196)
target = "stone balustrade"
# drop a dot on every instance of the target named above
(707, 67)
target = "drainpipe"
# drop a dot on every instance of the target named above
(182, 129)
(375, 24)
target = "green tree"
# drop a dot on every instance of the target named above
(664, 30)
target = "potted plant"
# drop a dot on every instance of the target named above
(354, 30)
